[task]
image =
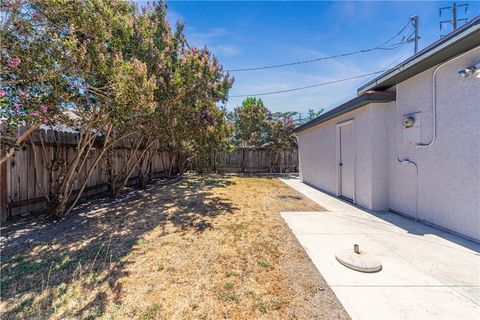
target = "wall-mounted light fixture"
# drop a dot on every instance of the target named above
(471, 70)
(408, 122)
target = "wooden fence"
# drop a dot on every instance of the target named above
(257, 161)
(20, 183)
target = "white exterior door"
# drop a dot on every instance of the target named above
(346, 161)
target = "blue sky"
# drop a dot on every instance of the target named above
(250, 34)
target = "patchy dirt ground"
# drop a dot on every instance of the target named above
(202, 247)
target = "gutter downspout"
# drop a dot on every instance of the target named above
(434, 99)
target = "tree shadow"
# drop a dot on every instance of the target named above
(87, 247)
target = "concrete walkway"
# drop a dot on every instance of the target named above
(427, 273)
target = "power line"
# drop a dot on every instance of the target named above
(454, 20)
(307, 87)
(382, 46)
(392, 47)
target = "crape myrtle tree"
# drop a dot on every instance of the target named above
(215, 139)
(112, 74)
(152, 44)
(201, 84)
(32, 85)
(190, 83)
(106, 80)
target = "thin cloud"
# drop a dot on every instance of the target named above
(225, 50)
(206, 38)
(214, 40)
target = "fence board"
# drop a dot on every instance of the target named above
(20, 182)
(258, 161)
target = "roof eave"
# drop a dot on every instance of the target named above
(353, 104)
(461, 40)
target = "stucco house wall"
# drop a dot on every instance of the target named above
(381, 120)
(318, 152)
(318, 155)
(448, 171)
(448, 189)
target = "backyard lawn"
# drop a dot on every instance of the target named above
(199, 247)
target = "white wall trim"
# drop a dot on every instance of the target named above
(337, 138)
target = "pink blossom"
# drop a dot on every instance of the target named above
(159, 66)
(14, 62)
(167, 49)
(45, 120)
(17, 106)
(34, 113)
(23, 94)
(43, 108)
(2, 94)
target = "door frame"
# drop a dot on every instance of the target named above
(337, 146)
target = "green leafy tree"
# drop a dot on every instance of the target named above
(254, 126)
(113, 74)
(199, 83)
(89, 81)
(32, 85)
(312, 114)
(248, 126)
(278, 136)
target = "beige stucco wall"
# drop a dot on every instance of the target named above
(449, 171)
(319, 165)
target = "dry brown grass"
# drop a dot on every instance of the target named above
(206, 247)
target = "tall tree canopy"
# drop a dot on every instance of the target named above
(112, 73)
(254, 126)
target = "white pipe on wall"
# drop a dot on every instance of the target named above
(434, 99)
(434, 127)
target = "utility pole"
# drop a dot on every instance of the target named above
(415, 20)
(454, 21)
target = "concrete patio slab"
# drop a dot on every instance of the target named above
(427, 273)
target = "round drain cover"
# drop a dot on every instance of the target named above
(358, 260)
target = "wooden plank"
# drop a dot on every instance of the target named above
(20, 184)
(31, 177)
(14, 165)
(23, 176)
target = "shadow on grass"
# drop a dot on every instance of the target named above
(42, 258)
